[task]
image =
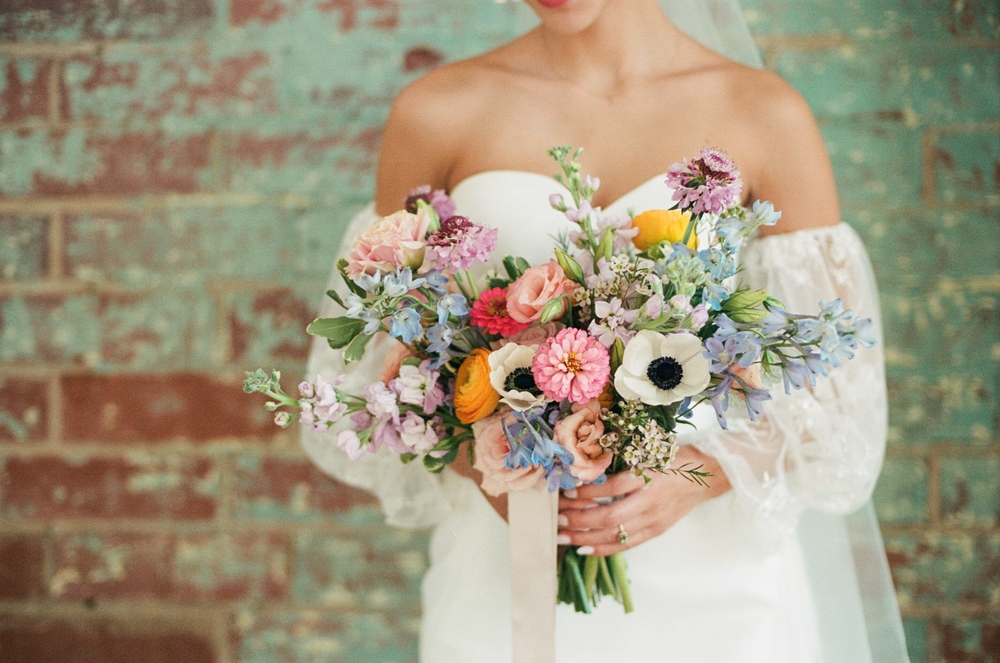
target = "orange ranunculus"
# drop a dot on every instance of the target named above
(475, 397)
(659, 225)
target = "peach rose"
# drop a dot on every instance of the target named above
(534, 289)
(391, 243)
(580, 433)
(492, 448)
(749, 375)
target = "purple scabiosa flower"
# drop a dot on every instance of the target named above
(709, 184)
(459, 244)
(443, 206)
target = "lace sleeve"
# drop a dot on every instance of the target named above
(410, 495)
(819, 447)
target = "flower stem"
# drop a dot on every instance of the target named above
(620, 572)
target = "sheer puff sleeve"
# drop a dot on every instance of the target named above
(820, 447)
(410, 495)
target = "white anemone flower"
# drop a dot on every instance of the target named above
(511, 376)
(660, 369)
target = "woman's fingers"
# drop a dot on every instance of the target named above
(634, 538)
(609, 515)
(617, 484)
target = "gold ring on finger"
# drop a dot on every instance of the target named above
(622, 534)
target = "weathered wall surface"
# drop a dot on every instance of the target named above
(174, 176)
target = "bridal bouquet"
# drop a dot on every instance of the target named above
(563, 372)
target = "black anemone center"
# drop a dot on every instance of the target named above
(665, 373)
(521, 379)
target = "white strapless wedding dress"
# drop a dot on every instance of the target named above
(767, 573)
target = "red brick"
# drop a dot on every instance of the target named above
(27, 20)
(21, 567)
(49, 640)
(385, 13)
(190, 567)
(421, 57)
(292, 487)
(134, 86)
(48, 486)
(133, 163)
(24, 409)
(279, 314)
(153, 407)
(377, 14)
(24, 94)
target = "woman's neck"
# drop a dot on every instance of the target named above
(630, 41)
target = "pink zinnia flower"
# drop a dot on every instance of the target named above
(709, 184)
(572, 365)
(490, 313)
(459, 244)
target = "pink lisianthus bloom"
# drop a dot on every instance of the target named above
(534, 289)
(572, 365)
(490, 313)
(580, 433)
(492, 447)
(393, 242)
(459, 244)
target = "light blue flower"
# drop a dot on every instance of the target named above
(369, 282)
(451, 304)
(762, 214)
(439, 338)
(720, 399)
(731, 231)
(742, 348)
(714, 295)
(436, 280)
(719, 264)
(397, 285)
(373, 320)
(355, 306)
(405, 325)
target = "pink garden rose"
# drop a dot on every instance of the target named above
(580, 433)
(492, 448)
(534, 289)
(393, 242)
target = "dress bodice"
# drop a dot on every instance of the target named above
(517, 203)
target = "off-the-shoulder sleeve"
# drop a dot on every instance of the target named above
(820, 447)
(410, 495)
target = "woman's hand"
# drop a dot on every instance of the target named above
(461, 466)
(644, 510)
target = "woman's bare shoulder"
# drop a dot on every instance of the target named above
(787, 159)
(427, 125)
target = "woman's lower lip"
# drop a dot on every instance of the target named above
(552, 3)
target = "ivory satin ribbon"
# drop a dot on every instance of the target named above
(532, 515)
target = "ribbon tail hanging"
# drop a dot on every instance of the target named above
(532, 515)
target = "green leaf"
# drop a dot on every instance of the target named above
(617, 352)
(406, 458)
(355, 350)
(497, 283)
(354, 287)
(570, 266)
(435, 465)
(510, 264)
(340, 331)
(335, 296)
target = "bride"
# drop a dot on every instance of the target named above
(758, 567)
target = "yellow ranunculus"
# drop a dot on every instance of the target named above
(475, 397)
(659, 225)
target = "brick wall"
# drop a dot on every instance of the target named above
(174, 176)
